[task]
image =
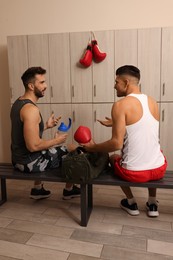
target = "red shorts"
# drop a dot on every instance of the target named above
(139, 176)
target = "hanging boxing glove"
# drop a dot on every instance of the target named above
(86, 60)
(97, 54)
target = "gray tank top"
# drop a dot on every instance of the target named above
(20, 154)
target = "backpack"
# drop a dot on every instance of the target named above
(80, 166)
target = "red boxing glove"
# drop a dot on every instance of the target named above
(97, 54)
(87, 57)
(82, 135)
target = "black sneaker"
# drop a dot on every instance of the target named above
(38, 194)
(73, 193)
(152, 209)
(131, 209)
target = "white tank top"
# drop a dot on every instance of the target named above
(141, 150)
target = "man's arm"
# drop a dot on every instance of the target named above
(118, 132)
(30, 116)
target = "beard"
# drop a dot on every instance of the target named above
(38, 93)
(120, 94)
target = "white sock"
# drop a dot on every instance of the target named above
(152, 200)
(69, 188)
(131, 201)
(37, 186)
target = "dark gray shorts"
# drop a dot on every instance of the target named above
(49, 159)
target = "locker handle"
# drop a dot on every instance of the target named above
(163, 92)
(163, 115)
(95, 116)
(51, 91)
(73, 116)
(72, 90)
(94, 90)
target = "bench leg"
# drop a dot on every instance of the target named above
(3, 191)
(86, 203)
(90, 196)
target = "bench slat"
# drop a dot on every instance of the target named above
(106, 178)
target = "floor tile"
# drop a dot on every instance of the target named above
(5, 221)
(40, 228)
(146, 222)
(28, 215)
(16, 236)
(8, 258)
(160, 247)
(148, 233)
(66, 245)
(119, 253)
(27, 252)
(82, 257)
(112, 239)
(92, 225)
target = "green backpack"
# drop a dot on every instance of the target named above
(81, 167)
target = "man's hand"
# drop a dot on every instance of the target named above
(61, 138)
(52, 121)
(88, 146)
(107, 122)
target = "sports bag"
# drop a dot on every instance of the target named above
(80, 166)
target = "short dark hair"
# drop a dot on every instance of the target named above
(128, 70)
(29, 75)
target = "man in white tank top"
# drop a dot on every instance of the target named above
(135, 131)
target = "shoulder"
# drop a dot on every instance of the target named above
(119, 108)
(29, 110)
(30, 107)
(152, 102)
(154, 108)
(151, 99)
(123, 103)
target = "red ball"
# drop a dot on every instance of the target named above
(82, 135)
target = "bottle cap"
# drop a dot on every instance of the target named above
(63, 127)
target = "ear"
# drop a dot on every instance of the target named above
(127, 82)
(30, 86)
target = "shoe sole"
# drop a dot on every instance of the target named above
(70, 197)
(37, 197)
(130, 212)
(152, 214)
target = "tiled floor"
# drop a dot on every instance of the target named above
(49, 229)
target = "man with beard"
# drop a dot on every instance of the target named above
(30, 152)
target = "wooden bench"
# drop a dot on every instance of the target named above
(86, 202)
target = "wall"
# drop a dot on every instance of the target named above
(37, 16)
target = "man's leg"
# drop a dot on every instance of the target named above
(129, 204)
(38, 191)
(128, 192)
(70, 191)
(37, 183)
(152, 203)
(70, 147)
